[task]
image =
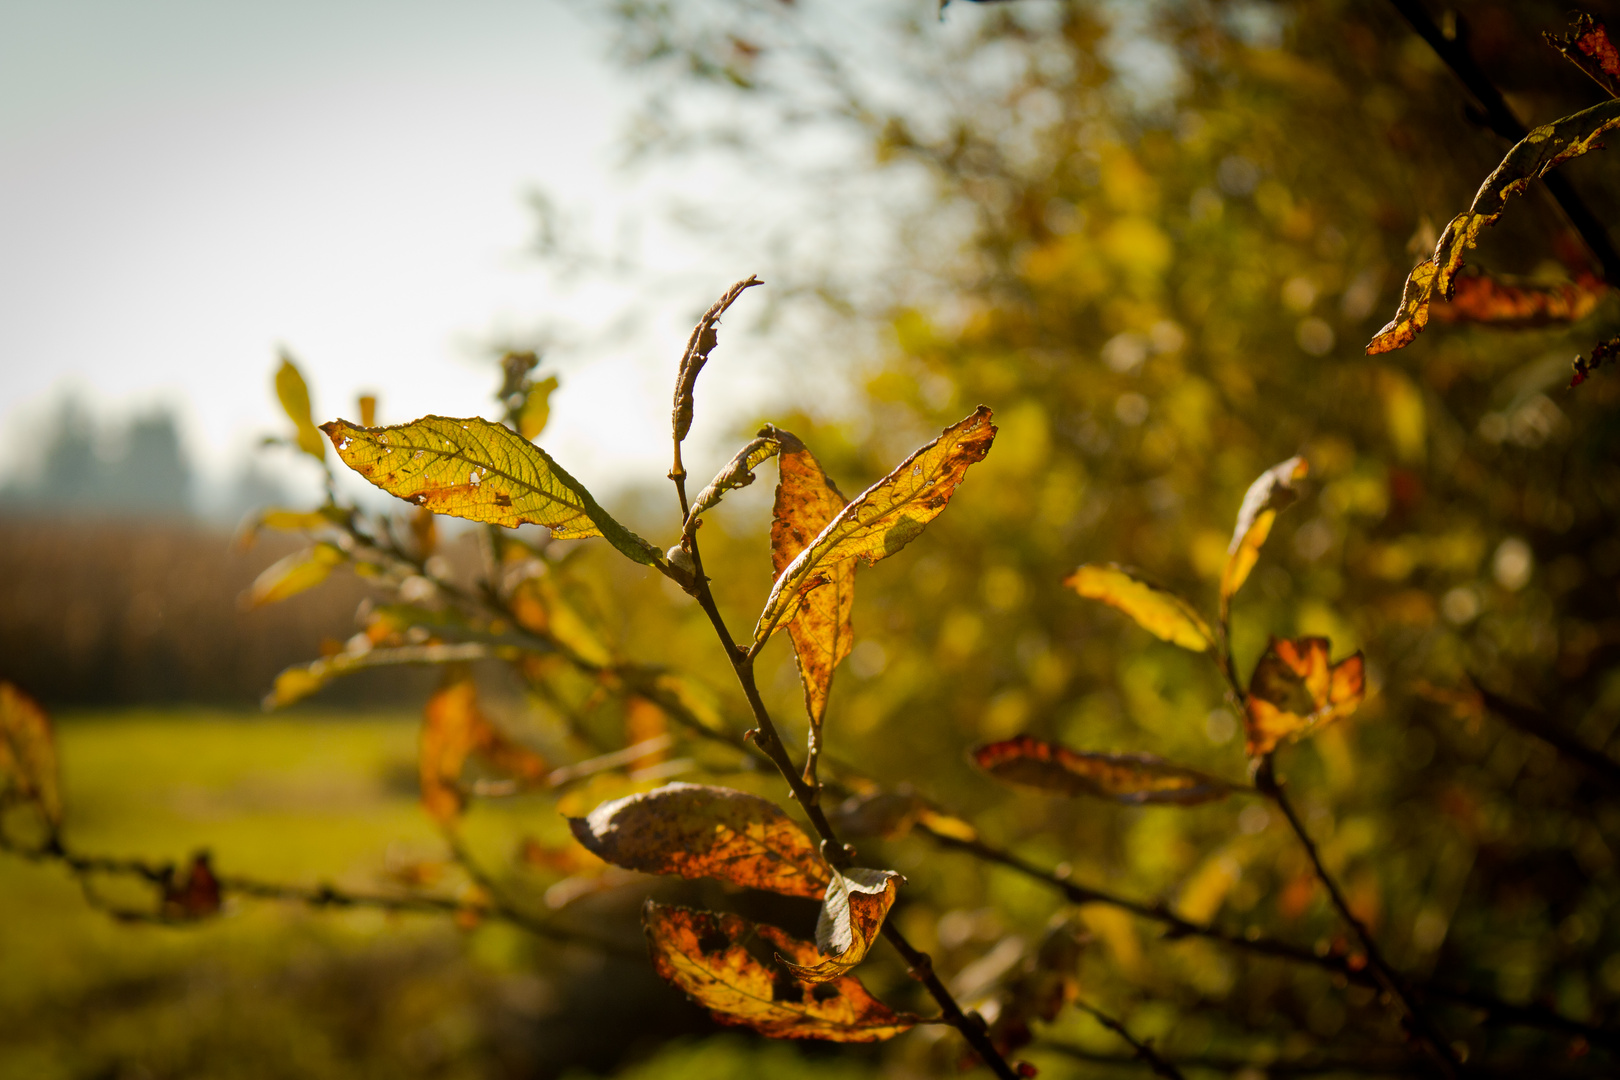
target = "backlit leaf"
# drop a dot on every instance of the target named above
(1125, 778)
(301, 680)
(542, 606)
(536, 410)
(711, 957)
(1294, 691)
(293, 393)
(738, 473)
(481, 471)
(1273, 491)
(806, 502)
(450, 724)
(294, 574)
(1509, 304)
(852, 914)
(27, 755)
(1158, 611)
(1588, 47)
(1537, 154)
(883, 519)
(698, 831)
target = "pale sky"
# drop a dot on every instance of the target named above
(186, 185)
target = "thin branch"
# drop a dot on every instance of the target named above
(1144, 1050)
(1535, 723)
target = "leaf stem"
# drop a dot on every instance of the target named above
(1420, 1025)
(1144, 1050)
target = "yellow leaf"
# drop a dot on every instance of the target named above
(1273, 491)
(481, 471)
(883, 519)
(738, 473)
(27, 755)
(542, 608)
(1158, 611)
(368, 410)
(706, 955)
(1124, 778)
(1537, 154)
(698, 831)
(292, 575)
(302, 680)
(536, 408)
(294, 395)
(806, 502)
(852, 914)
(1295, 691)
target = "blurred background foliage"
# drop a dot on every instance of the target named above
(1154, 239)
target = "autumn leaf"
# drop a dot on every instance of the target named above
(368, 411)
(301, 680)
(1537, 154)
(195, 896)
(1273, 491)
(481, 471)
(698, 348)
(1158, 611)
(1124, 778)
(294, 574)
(852, 914)
(535, 411)
(738, 473)
(294, 395)
(1510, 304)
(1588, 47)
(698, 831)
(646, 725)
(806, 502)
(453, 729)
(27, 755)
(708, 956)
(1294, 691)
(883, 519)
(542, 607)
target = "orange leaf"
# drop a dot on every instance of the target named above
(1509, 304)
(1588, 47)
(697, 831)
(1124, 778)
(806, 501)
(852, 914)
(450, 730)
(197, 896)
(708, 956)
(27, 755)
(1294, 691)
(644, 721)
(1273, 491)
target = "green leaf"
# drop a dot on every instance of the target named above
(294, 395)
(884, 518)
(1158, 611)
(482, 471)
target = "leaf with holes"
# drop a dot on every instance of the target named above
(715, 959)
(806, 502)
(482, 471)
(293, 393)
(1537, 154)
(698, 831)
(1124, 778)
(1158, 611)
(27, 755)
(883, 519)
(1294, 691)
(852, 914)
(1273, 491)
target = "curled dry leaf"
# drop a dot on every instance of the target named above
(195, 896)
(697, 831)
(27, 755)
(1588, 47)
(1273, 491)
(293, 393)
(294, 574)
(852, 914)
(698, 348)
(1509, 304)
(1537, 154)
(1294, 691)
(883, 519)
(738, 473)
(1158, 611)
(1123, 778)
(806, 503)
(482, 471)
(711, 957)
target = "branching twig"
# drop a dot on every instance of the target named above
(1144, 1050)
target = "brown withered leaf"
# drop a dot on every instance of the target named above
(698, 347)
(1537, 154)
(1158, 611)
(1272, 491)
(1510, 304)
(195, 896)
(1295, 690)
(883, 519)
(738, 473)
(708, 956)
(852, 914)
(1124, 778)
(27, 755)
(1588, 47)
(483, 471)
(698, 831)
(806, 502)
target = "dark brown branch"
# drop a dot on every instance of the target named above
(1535, 723)
(1144, 1051)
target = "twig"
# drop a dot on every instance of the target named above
(1420, 1024)
(1144, 1051)
(1535, 723)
